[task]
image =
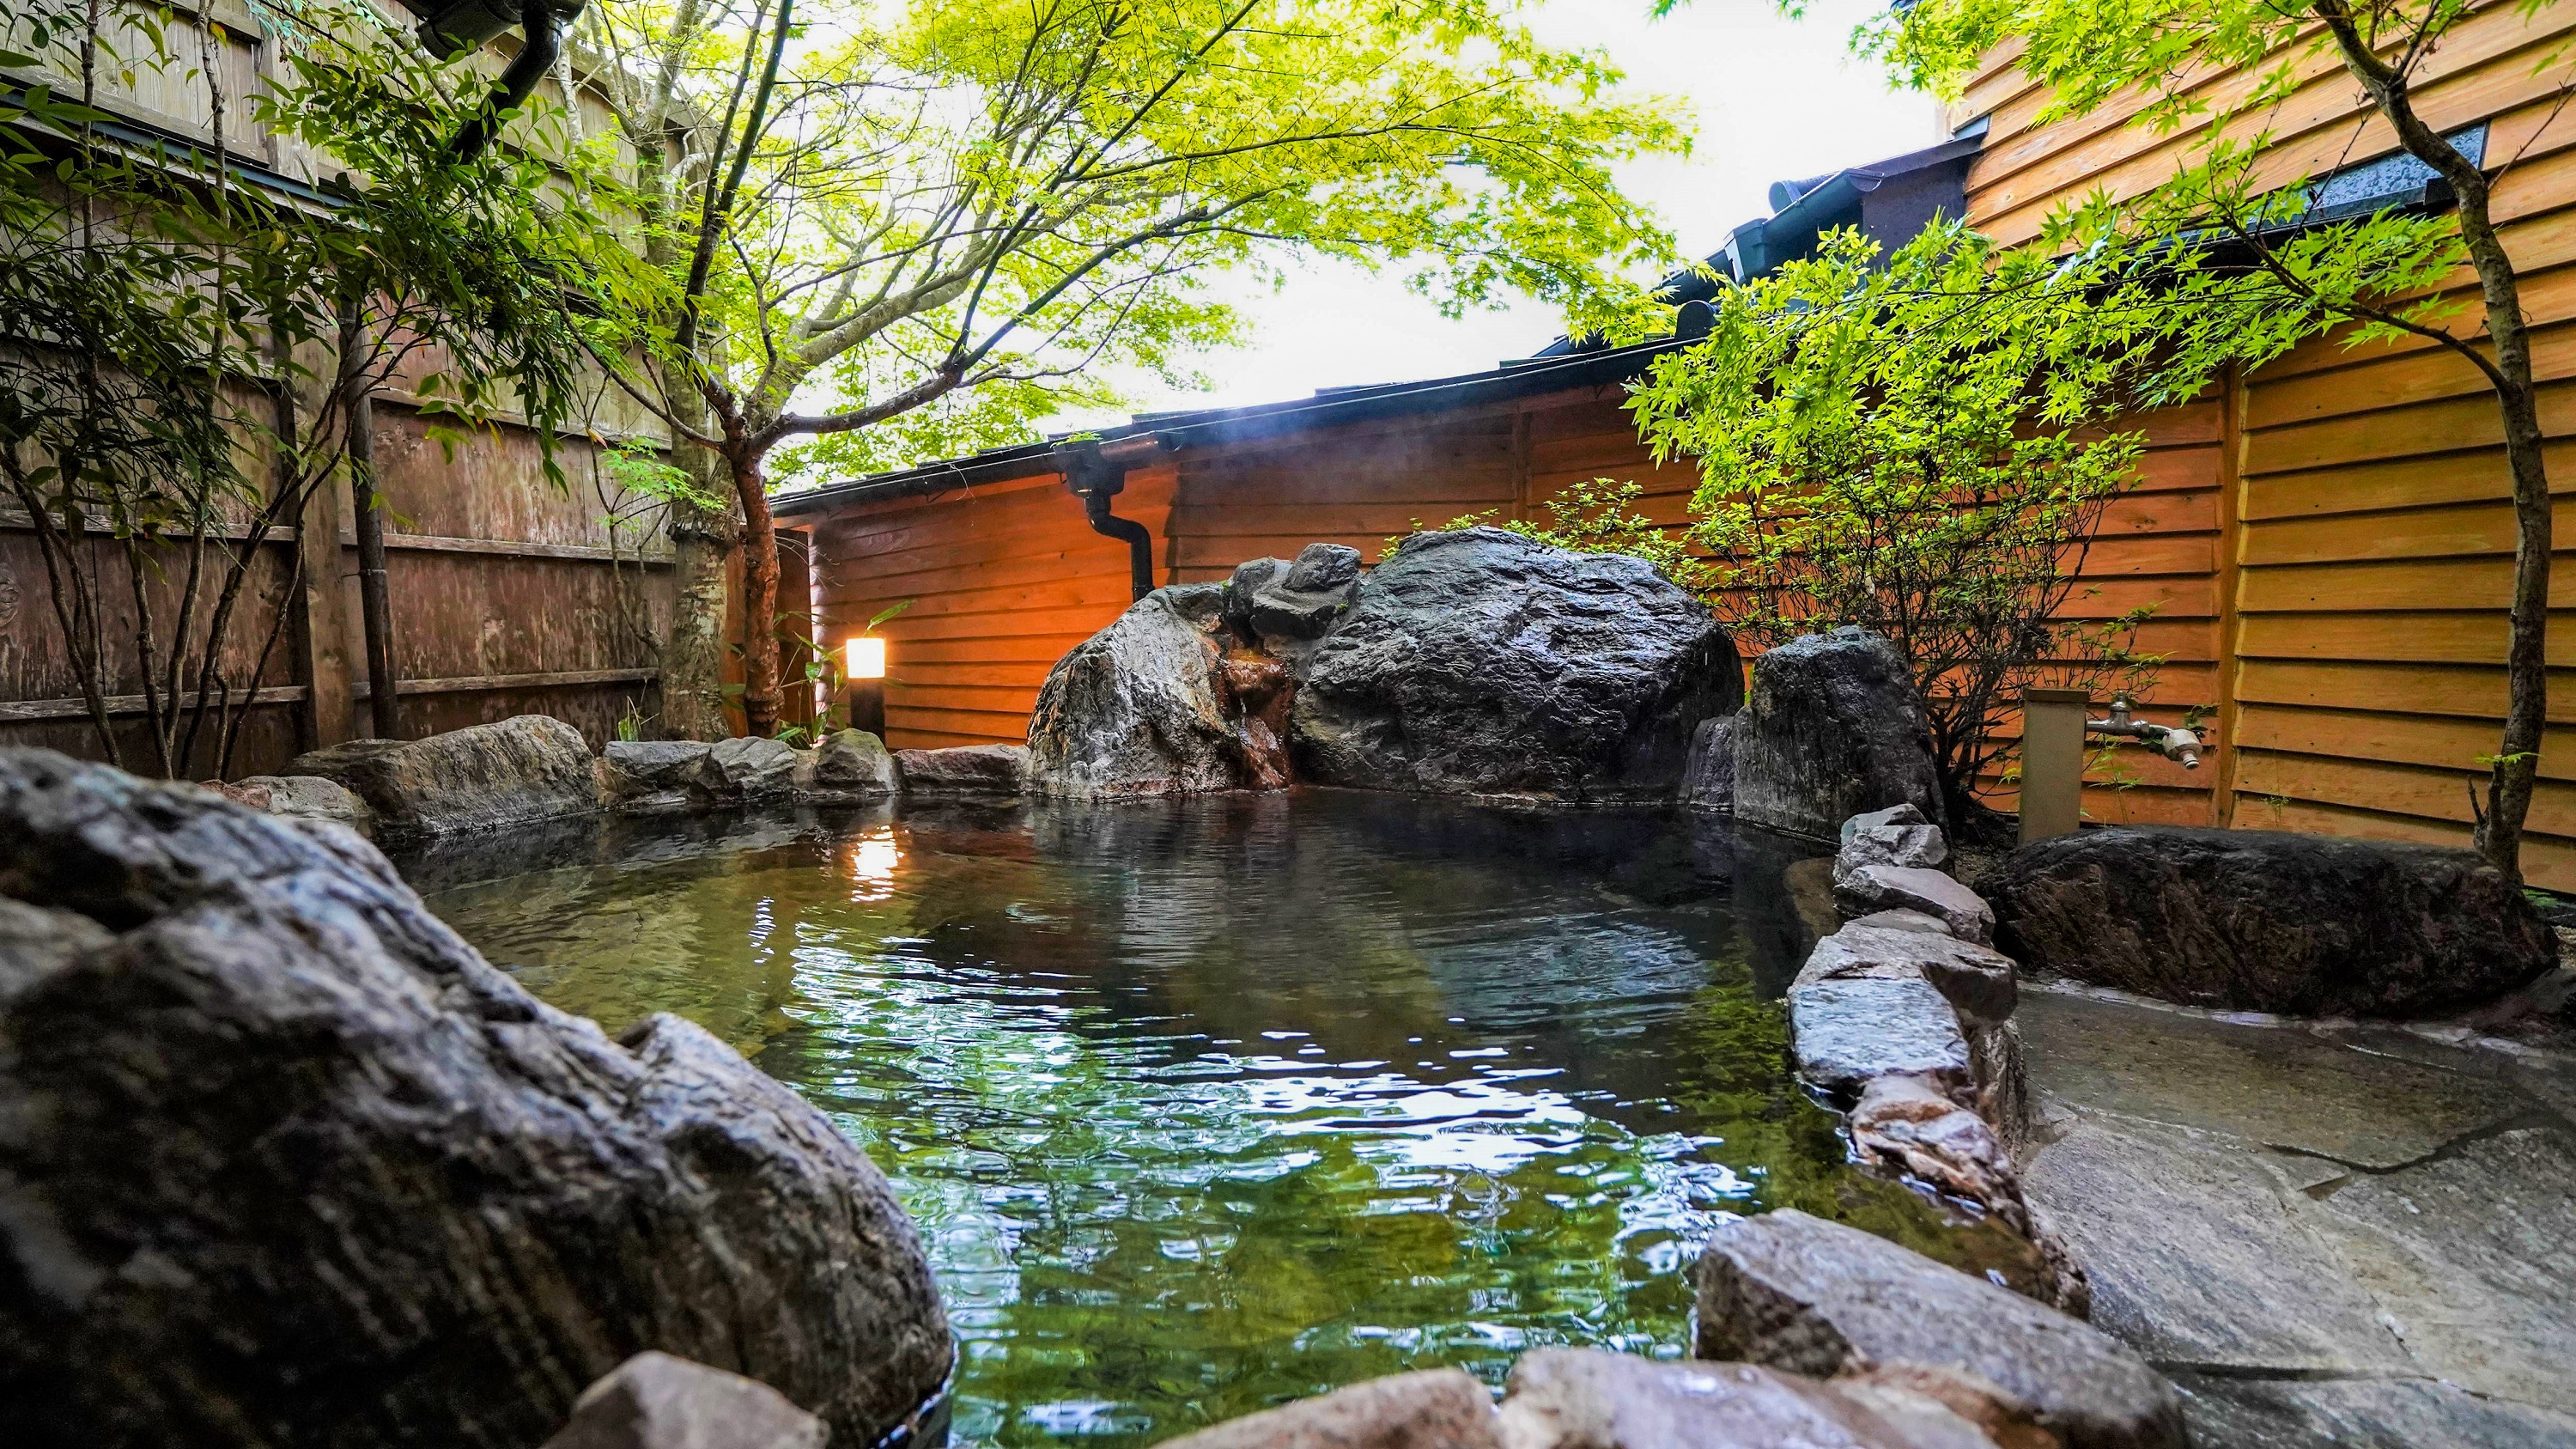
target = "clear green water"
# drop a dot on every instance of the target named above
(1205, 1106)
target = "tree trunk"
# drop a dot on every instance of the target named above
(2517, 763)
(2517, 758)
(693, 656)
(759, 594)
(702, 539)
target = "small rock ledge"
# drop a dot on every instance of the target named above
(1903, 1017)
(534, 769)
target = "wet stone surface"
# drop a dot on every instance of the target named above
(2326, 1235)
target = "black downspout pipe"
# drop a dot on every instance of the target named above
(1140, 543)
(1095, 480)
(536, 57)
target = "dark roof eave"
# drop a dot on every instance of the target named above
(1230, 425)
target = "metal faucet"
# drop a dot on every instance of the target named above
(2170, 741)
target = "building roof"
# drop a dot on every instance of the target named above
(1176, 430)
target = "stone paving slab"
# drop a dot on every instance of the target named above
(2283, 1087)
(2326, 1235)
(2375, 1413)
(2137, 1200)
(2473, 1257)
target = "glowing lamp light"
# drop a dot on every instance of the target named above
(867, 655)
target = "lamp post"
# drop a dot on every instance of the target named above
(864, 663)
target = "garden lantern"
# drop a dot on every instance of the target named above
(864, 662)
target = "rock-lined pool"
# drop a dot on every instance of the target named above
(1208, 1105)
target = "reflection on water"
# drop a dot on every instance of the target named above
(1205, 1106)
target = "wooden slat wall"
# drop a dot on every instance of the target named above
(510, 596)
(1357, 485)
(1003, 580)
(1006, 578)
(2362, 494)
(482, 629)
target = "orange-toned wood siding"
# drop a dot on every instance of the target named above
(1002, 579)
(2367, 544)
(1005, 578)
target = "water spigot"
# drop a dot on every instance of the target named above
(2170, 741)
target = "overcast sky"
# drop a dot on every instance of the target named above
(1774, 98)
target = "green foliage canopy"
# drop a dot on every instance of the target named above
(1917, 444)
(957, 195)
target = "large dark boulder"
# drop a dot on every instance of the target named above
(1145, 707)
(2258, 920)
(1477, 661)
(1832, 728)
(484, 777)
(284, 1162)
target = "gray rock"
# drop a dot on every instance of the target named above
(656, 1401)
(484, 777)
(35, 943)
(1480, 662)
(2195, 1257)
(2337, 1104)
(1285, 606)
(1908, 1125)
(313, 797)
(751, 768)
(1800, 1294)
(1861, 889)
(661, 764)
(2469, 1254)
(1900, 814)
(1904, 920)
(1833, 727)
(1201, 604)
(287, 1162)
(853, 765)
(1996, 1059)
(1708, 776)
(1850, 1030)
(1912, 846)
(1580, 1398)
(1432, 1409)
(1321, 568)
(1977, 980)
(2270, 921)
(967, 772)
(654, 776)
(1142, 708)
(2361, 1234)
